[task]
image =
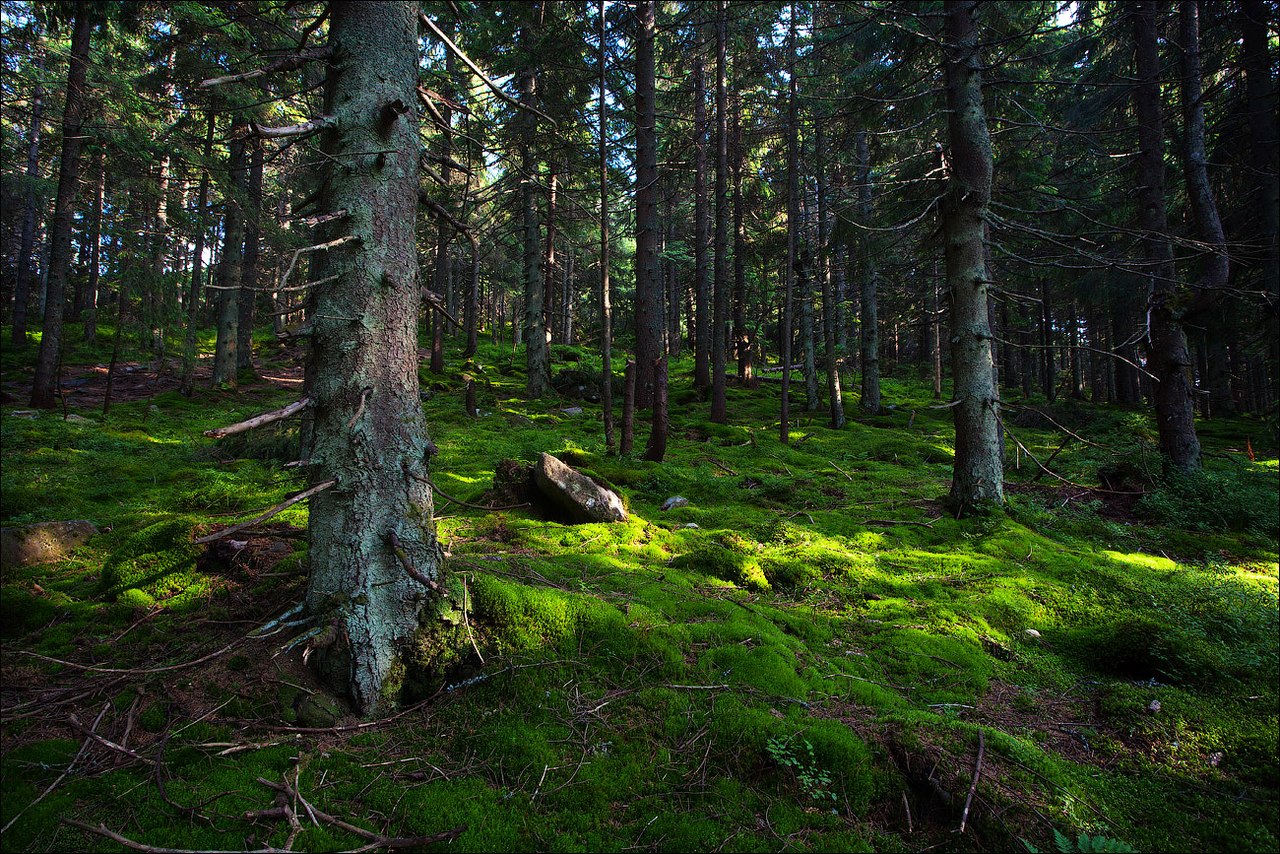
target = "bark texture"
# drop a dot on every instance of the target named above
(720, 308)
(368, 433)
(26, 271)
(1168, 356)
(648, 280)
(42, 390)
(978, 476)
(869, 304)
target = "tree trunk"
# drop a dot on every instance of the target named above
(606, 308)
(935, 332)
(537, 357)
(1260, 94)
(90, 313)
(248, 297)
(721, 307)
(741, 338)
(187, 384)
(1048, 371)
(978, 476)
(648, 281)
(1168, 357)
(834, 399)
(869, 309)
(793, 227)
(232, 265)
(42, 390)
(701, 234)
(27, 242)
(368, 431)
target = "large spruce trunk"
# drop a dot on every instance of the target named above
(869, 311)
(368, 433)
(42, 389)
(978, 476)
(225, 360)
(721, 301)
(648, 281)
(1168, 355)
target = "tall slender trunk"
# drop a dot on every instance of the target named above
(232, 265)
(1261, 96)
(248, 297)
(89, 315)
(42, 390)
(741, 338)
(834, 400)
(935, 331)
(648, 280)
(187, 384)
(606, 309)
(369, 438)
(870, 303)
(30, 209)
(1168, 356)
(1048, 371)
(793, 227)
(537, 357)
(549, 258)
(701, 233)
(720, 288)
(978, 476)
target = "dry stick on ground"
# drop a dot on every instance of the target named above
(106, 742)
(449, 497)
(103, 830)
(1059, 477)
(259, 420)
(132, 671)
(977, 771)
(283, 505)
(83, 746)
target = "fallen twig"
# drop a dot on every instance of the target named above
(40, 797)
(259, 420)
(973, 785)
(283, 505)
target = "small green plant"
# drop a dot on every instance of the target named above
(799, 758)
(1084, 844)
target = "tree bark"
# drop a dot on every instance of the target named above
(720, 288)
(1260, 94)
(606, 308)
(741, 338)
(701, 233)
(187, 383)
(368, 433)
(42, 390)
(89, 315)
(232, 265)
(248, 297)
(537, 357)
(648, 281)
(793, 226)
(869, 308)
(834, 399)
(30, 211)
(1168, 356)
(978, 476)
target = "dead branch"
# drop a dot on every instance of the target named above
(283, 505)
(977, 770)
(437, 302)
(448, 102)
(259, 420)
(364, 397)
(83, 746)
(106, 742)
(317, 124)
(475, 69)
(103, 830)
(130, 671)
(403, 556)
(284, 63)
(320, 219)
(332, 244)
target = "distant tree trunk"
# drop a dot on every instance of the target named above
(232, 265)
(628, 407)
(30, 210)
(742, 341)
(1169, 359)
(606, 308)
(1049, 373)
(793, 227)
(42, 391)
(443, 270)
(978, 476)
(537, 357)
(369, 438)
(869, 308)
(648, 281)
(701, 233)
(567, 300)
(89, 315)
(1260, 94)
(935, 332)
(834, 399)
(187, 384)
(549, 258)
(721, 307)
(248, 296)
(808, 331)
(656, 448)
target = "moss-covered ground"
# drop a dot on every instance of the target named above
(811, 655)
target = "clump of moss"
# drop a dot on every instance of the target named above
(1141, 647)
(711, 558)
(149, 556)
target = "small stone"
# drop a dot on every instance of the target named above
(1153, 707)
(79, 419)
(691, 525)
(1032, 633)
(571, 411)
(1215, 758)
(24, 413)
(675, 501)
(317, 710)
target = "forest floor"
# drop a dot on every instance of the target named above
(812, 654)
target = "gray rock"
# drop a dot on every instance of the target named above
(571, 411)
(43, 542)
(691, 525)
(675, 501)
(579, 496)
(317, 710)
(80, 419)
(24, 413)
(1032, 633)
